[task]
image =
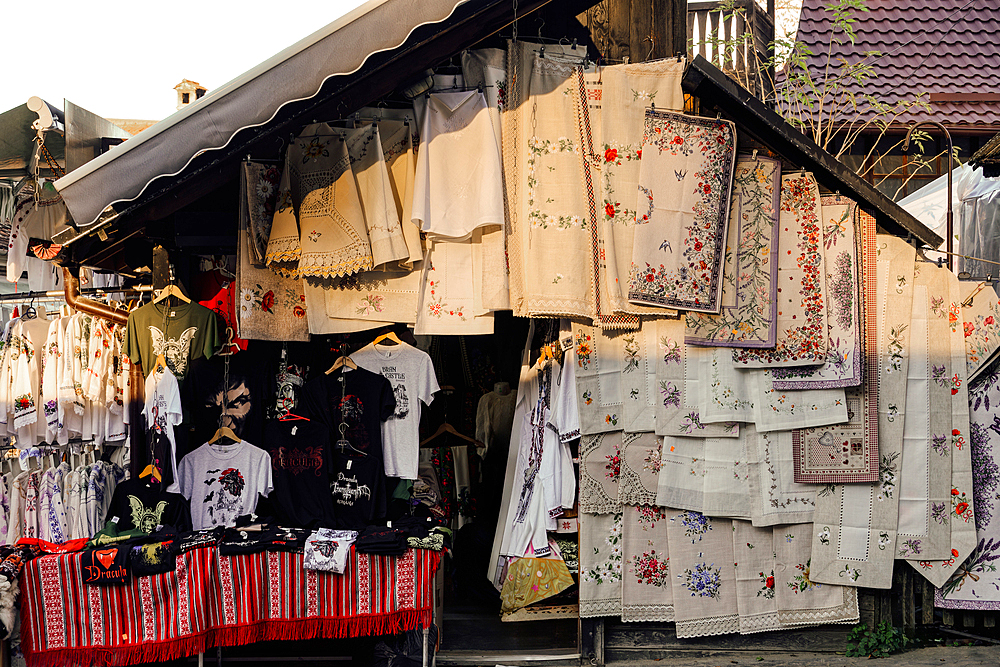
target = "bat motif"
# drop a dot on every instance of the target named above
(326, 548)
(175, 350)
(145, 519)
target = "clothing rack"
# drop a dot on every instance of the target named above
(89, 291)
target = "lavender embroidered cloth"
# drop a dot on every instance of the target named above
(682, 211)
(855, 524)
(802, 305)
(749, 276)
(842, 239)
(646, 584)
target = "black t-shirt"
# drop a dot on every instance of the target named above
(300, 470)
(143, 505)
(361, 400)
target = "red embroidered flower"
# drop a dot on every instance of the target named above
(649, 277)
(697, 246)
(609, 210)
(955, 431)
(954, 553)
(969, 329)
(960, 509)
(299, 312)
(267, 302)
(770, 582)
(611, 155)
(638, 154)
(989, 320)
(677, 140)
(954, 492)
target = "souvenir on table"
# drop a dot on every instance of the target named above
(269, 307)
(318, 227)
(749, 276)
(925, 461)
(850, 291)
(677, 412)
(600, 564)
(647, 593)
(627, 91)
(639, 468)
(981, 312)
(775, 496)
(854, 534)
(639, 355)
(682, 211)
(802, 305)
(598, 380)
(703, 581)
(972, 429)
(548, 205)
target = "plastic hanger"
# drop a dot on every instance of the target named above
(345, 443)
(153, 471)
(160, 363)
(448, 428)
(171, 290)
(391, 336)
(290, 417)
(342, 361)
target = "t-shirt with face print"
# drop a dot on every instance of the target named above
(222, 482)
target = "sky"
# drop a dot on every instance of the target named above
(122, 59)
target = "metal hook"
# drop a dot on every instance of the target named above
(753, 156)
(652, 45)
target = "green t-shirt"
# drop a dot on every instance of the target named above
(180, 333)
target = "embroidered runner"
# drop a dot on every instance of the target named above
(600, 564)
(598, 380)
(638, 379)
(646, 581)
(682, 211)
(749, 277)
(775, 496)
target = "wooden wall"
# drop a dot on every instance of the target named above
(638, 30)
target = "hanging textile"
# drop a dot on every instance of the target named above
(627, 91)
(647, 593)
(703, 581)
(972, 467)
(775, 496)
(638, 378)
(749, 275)
(802, 308)
(639, 460)
(375, 295)
(925, 464)
(682, 211)
(756, 586)
(855, 524)
(681, 482)
(260, 184)
(599, 389)
(397, 149)
(451, 293)
(726, 490)
(848, 287)
(725, 391)
(270, 307)
(319, 226)
(600, 564)
(982, 327)
(545, 186)
(780, 410)
(600, 473)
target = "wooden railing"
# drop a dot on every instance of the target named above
(736, 42)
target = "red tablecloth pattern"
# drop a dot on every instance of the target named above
(213, 600)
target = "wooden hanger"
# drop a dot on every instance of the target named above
(388, 336)
(171, 290)
(342, 361)
(448, 428)
(224, 432)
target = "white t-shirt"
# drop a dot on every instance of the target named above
(163, 412)
(222, 482)
(411, 373)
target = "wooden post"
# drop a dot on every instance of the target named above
(591, 632)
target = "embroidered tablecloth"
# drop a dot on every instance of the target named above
(213, 600)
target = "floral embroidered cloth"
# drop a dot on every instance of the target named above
(640, 468)
(627, 90)
(375, 295)
(968, 471)
(780, 410)
(638, 378)
(451, 296)
(802, 301)
(703, 581)
(974, 582)
(647, 593)
(600, 471)
(725, 391)
(598, 380)
(925, 461)
(842, 240)
(600, 564)
(750, 270)
(682, 211)
(982, 327)
(270, 307)
(854, 533)
(677, 412)
(726, 488)
(319, 226)
(775, 496)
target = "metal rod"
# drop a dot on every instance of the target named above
(60, 294)
(950, 229)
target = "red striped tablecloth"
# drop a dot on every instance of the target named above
(213, 600)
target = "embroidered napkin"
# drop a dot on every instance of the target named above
(375, 295)
(854, 532)
(781, 410)
(600, 565)
(638, 379)
(971, 453)
(802, 306)
(600, 469)
(841, 240)
(704, 582)
(750, 271)
(681, 482)
(270, 307)
(682, 211)
(640, 468)
(315, 291)
(982, 327)
(646, 581)
(598, 380)
(755, 582)
(628, 90)
(925, 464)
(726, 489)
(725, 391)
(775, 496)
(676, 409)
(802, 601)
(451, 295)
